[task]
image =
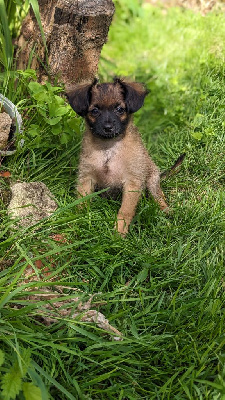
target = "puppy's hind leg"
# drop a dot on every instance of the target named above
(153, 185)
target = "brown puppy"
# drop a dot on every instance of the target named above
(113, 154)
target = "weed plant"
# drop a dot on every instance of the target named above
(163, 285)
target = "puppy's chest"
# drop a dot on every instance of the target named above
(108, 166)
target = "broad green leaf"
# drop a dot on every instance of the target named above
(57, 111)
(198, 119)
(64, 138)
(59, 100)
(197, 135)
(31, 392)
(11, 384)
(57, 129)
(62, 111)
(209, 131)
(37, 380)
(74, 123)
(42, 110)
(35, 87)
(41, 97)
(53, 88)
(53, 121)
(33, 131)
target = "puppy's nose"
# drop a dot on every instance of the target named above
(108, 127)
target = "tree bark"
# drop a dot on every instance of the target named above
(75, 31)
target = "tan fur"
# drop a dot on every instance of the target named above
(108, 97)
(119, 162)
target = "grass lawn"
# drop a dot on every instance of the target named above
(163, 285)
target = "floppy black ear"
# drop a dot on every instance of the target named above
(80, 97)
(134, 94)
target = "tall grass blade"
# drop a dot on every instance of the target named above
(7, 44)
(53, 381)
(35, 6)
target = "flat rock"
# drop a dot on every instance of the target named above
(31, 202)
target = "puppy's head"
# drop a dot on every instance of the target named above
(107, 106)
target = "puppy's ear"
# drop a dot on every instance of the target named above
(80, 97)
(134, 94)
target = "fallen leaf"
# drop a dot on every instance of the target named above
(5, 174)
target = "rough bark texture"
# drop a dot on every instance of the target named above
(75, 31)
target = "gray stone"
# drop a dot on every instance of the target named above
(31, 202)
(5, 125)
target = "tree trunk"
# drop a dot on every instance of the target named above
(75, 31)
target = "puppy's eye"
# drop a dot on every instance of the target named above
(120, 110)
(94, 111)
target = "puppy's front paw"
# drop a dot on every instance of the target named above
(121, 227)
(166, 210)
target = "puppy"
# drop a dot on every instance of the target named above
(113, 154)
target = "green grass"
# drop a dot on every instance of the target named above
(163, 285)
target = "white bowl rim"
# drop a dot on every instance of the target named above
(13, 113)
